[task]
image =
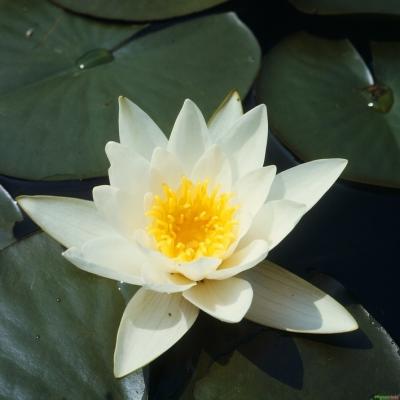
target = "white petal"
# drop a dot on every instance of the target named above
(189, 136)
(282, 300)
(110, 256)
(70, 221)
(152, 323)
(252, 189)
(198, 269)
(125, 212)
(245, 220)
(163, 281)
(137, 130)
(274, 222)
(227, 300)
(246, 141)
(128, 170)
(242, 260)
(214, 166)
(165, 169)
(308, 182)
(159, 274)
(229, 111)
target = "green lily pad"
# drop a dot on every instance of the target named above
(248, 361)
(324, 102)
(9, 215)
(137, 10)
(58, 327)
(327, 7)
(62, 74)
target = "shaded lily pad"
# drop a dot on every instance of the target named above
(58, 327)
(324, 102)
(63, 73)
(9, 215)
(247, 361)
(137, 10)
(325, 7)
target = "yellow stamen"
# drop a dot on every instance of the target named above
(190, 223)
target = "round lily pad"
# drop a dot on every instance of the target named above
(326, 7)
(324, 102)
(137, 10)
(9, 215)
(58, 326)
(62, 74)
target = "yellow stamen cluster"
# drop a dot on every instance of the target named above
(192, 222)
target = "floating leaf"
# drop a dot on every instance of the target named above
(58, 326)
(324, 102)
(137, 10)
(9, 215)
(61, 75)
(324, 7)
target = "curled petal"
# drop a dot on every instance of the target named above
(227, 300)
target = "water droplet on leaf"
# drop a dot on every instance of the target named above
(94, 58)
(58, 300)
(378, 97)
(29, 32)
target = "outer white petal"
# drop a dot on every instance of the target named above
(128, 170)
(165, 168)
(252, 189)
(283, 300)
(227, 300)
(70, 221)
(308, 182)
(214, 166)
(137, 130)
(110, 256)
(152, 323)
(242, 260)
(198, 269)
(225, 116)
(274, 222)
(123, 210)
(246, 141)
(189, 136)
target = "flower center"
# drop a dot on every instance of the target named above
(192, 221)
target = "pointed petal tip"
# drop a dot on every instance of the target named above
(190, 103)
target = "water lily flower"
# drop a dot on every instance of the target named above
(189, 219)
